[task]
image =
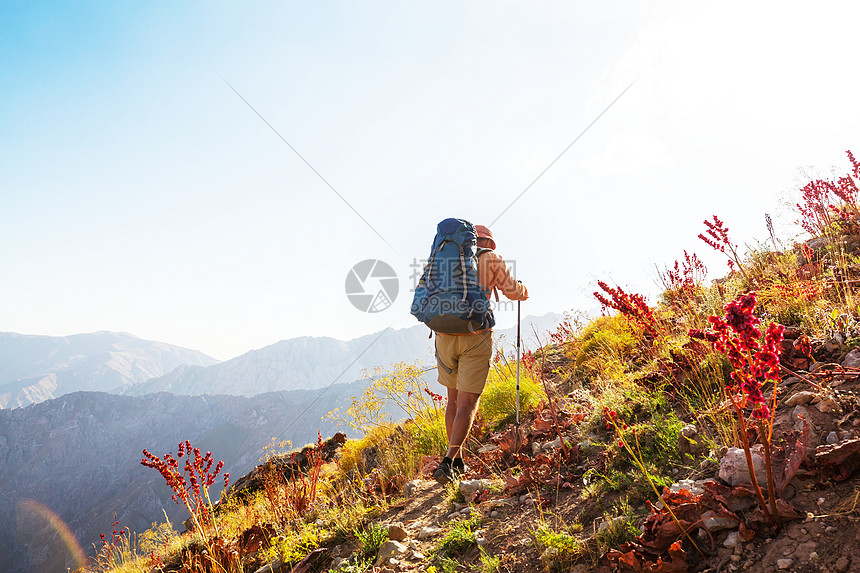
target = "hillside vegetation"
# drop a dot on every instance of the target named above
(714, 430)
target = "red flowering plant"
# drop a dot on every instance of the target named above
(716, 236)
(755, 362)
(683, 282)
(826, 202)
(191, 484)
(632, 306)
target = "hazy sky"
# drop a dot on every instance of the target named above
(139, 193)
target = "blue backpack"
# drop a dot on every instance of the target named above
(449, 298)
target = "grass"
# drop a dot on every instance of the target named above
(498, 401)
(559, 549)
(459, 537)
(371, 539)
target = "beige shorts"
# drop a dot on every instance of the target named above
(464, 360)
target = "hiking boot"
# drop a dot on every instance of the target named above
(460, 471)
(444, 474)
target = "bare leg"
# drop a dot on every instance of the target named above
(464, 415)
(450, 412)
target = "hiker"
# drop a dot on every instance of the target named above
(463, 359)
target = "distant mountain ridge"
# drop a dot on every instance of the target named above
(309, 362)
(35, 368)
(79, 456)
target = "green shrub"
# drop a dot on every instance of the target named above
(559, 549)
(605, 347)
(371, 539)
(461, 536)
(499, 400)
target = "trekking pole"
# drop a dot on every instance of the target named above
(518, 372)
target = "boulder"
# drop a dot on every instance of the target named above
(734, 469)
(852, 359)
(469, 488)
(800, 398)
(388, 550)
(397, 532)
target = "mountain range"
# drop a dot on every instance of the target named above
(37, 368)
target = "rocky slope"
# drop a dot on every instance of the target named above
(37, 368)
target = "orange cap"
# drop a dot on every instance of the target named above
(485, 233)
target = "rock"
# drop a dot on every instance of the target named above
(273, 566)
(553, 445)
(713, 522)
(694, 487)
(800, 398)
(814, 557)
(734, 469)
(842, 564)
(832, 438)
(731, 540)
(397, 532)
(689, 442)
(828, 405)
(429, 531)
(388, 550)
(535, 448)
(480, 538)
(410, 488)
(487, 448)
(852, 359)
(494, 513)
(606, 523)
(469, 488)
(338, 561)
(783, 564)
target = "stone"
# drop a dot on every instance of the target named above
(487, 448)
(734, 469)
(689, 442)
(814, 556)
(828, 405)
(783, 564)
(272, 567)
(338, 561)
(388, 550)
(607, 522)
(800, 398)
(842, 564)
(469, 488)
(713, 522)
(852, 359)
(429, 531)
(397, 532)
(480, 538)
(494, 513)
(410, 488)
(731, 539)
(735, 558)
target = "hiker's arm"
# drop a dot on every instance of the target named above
(504, 281)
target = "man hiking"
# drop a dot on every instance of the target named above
(464, 359)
